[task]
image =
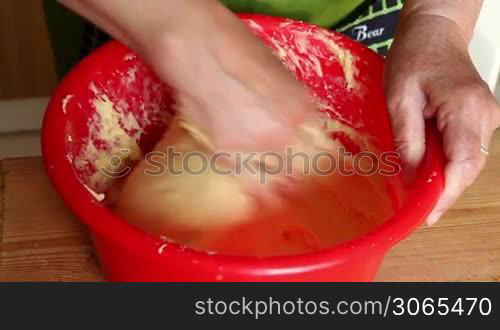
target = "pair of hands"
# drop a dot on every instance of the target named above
(225, 79)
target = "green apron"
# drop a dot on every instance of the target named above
(326, 13)
(371, 22)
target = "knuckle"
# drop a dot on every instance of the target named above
(472, 164)
(474, 104)
(397, 103)
(401, 96)
(474, 93)
(406, 148)
(402, 145)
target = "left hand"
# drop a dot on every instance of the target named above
(429, 73)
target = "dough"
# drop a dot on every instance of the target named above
(159, 203)
(238, 215)
(183, 204)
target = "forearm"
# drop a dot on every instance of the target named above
(141, 24)
(166, 31)
(223, 77)
(463, 13)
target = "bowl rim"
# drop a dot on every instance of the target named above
(420, 200)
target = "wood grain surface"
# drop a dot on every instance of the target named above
(26, 59)
(42, 241)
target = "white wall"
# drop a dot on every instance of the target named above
(485, 47)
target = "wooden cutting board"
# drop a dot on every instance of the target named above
(40, 240)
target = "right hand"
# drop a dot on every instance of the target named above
(228, 83)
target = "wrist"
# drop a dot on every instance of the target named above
(186, 23)
(462, 13)
(423, 30)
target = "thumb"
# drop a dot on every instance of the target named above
(406, 103)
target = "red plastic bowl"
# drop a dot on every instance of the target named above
(128, 254)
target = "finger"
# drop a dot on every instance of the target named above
(459, 174)
(464, 138)
(406, 104)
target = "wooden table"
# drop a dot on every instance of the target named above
(40, 240)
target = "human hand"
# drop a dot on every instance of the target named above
(229, 84)
(226, 81)
(429, 74)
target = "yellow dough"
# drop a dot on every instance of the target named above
(167, 203)
(159, 203)
(238, 214)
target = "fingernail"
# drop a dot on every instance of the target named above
(433, 218)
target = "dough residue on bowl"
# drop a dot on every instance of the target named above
(112, 143)
(290, 53)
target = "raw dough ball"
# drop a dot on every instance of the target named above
(160, 202)
(164, 202)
